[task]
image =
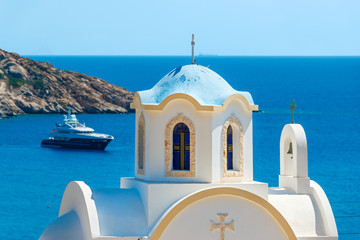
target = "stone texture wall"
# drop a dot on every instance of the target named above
(168, 148)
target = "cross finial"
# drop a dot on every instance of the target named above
(221, 226)
(292, 107)
(193, 49)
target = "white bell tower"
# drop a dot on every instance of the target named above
(293, 157)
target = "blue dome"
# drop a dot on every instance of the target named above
(199, 82)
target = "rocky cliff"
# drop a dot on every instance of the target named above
(28, 86)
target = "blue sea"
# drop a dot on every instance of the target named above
(326, 91)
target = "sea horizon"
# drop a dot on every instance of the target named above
(325, 92)
(187, 56)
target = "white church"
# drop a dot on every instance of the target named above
(194, 174)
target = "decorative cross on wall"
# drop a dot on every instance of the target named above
(221, 226)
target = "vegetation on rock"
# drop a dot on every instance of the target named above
(28, 86)
(15, 82)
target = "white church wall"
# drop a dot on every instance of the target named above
(158, 197)
(155, 141)
(138, 112)
(77, 198)
(120, 212)
(309, 215)
(298, 210)
(239, 110)
(250, 221)
(216, 162)
(324, 211)
(146, 143)
(65, 227)
(208, 151)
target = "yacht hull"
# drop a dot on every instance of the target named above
(77, 143)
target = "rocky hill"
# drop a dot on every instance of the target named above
(28, 86)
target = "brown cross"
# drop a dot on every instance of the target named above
(221, 226)
(293, 108)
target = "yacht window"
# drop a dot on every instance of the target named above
(63, 131)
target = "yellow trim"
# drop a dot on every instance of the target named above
(180, 206)
(236, 124)
(136, 104)
(141, 126)
(242, 98)
(169, 148)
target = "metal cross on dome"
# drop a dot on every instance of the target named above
(193, 49)
(221, 226)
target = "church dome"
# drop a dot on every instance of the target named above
(199, 82)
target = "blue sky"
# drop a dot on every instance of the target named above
(163, 27)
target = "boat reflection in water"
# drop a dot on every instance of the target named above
(72, 134)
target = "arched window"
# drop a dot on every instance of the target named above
(181, 147)
(233, 155)
(230, 148)
(180, 140)
(141, 144)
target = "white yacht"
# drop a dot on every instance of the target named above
(72, 134)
